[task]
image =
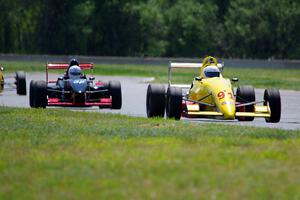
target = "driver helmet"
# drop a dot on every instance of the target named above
(74, 72)
(211, 71)
(73, 62)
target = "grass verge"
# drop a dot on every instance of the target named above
(258, 77)
(61, 154)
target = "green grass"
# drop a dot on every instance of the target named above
(61, 154)
(258, 77)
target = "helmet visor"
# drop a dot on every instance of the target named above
(212, 74)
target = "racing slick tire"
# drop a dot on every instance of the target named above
(114, 88)
(245, 94)
(40, 94)
(174, 103)
(31, 94)
(155, 100)
(273, 100)
(20, 82)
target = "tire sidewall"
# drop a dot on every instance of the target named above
(40, 94)
(116, 94)
(155, 100)
(272, 99)
(21, 82)
(174, 102)
(245, 94)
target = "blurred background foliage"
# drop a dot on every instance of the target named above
(190, 28)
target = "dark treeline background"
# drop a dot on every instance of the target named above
(189, 28)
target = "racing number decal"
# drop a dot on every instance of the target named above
(221, 95)
(230, 95)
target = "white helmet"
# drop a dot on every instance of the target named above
(211, 71)
(74, 72)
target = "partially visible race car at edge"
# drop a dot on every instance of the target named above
(211, 96)
(17, 82)
(74, 89)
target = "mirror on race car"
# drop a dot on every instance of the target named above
(198, 78)
(234, 79)
(92, 78)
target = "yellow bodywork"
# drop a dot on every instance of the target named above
(1, 81)
(217, 92)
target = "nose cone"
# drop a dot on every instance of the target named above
(227, 107)
(221, 90)
(79, 85)
(228, 111)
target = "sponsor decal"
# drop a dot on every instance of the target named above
(227, 103)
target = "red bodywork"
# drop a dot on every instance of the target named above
(66, 66)
(103, 102)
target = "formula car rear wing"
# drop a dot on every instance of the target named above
(186, 65)
(65, 66)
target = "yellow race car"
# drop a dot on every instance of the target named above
(19, 82)
(211, 96)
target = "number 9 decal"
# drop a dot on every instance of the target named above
(221, 95)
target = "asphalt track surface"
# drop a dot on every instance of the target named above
(134, 102)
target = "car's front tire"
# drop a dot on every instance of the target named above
(245, 94)
(114, 88)
(273, 100)
(21, 82)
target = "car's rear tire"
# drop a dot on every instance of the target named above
(21, 82)
(174, 102)
(155, 100)
(31, 94)
(40, 94)
(115, 92)
(245, 94)
(273, 100)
